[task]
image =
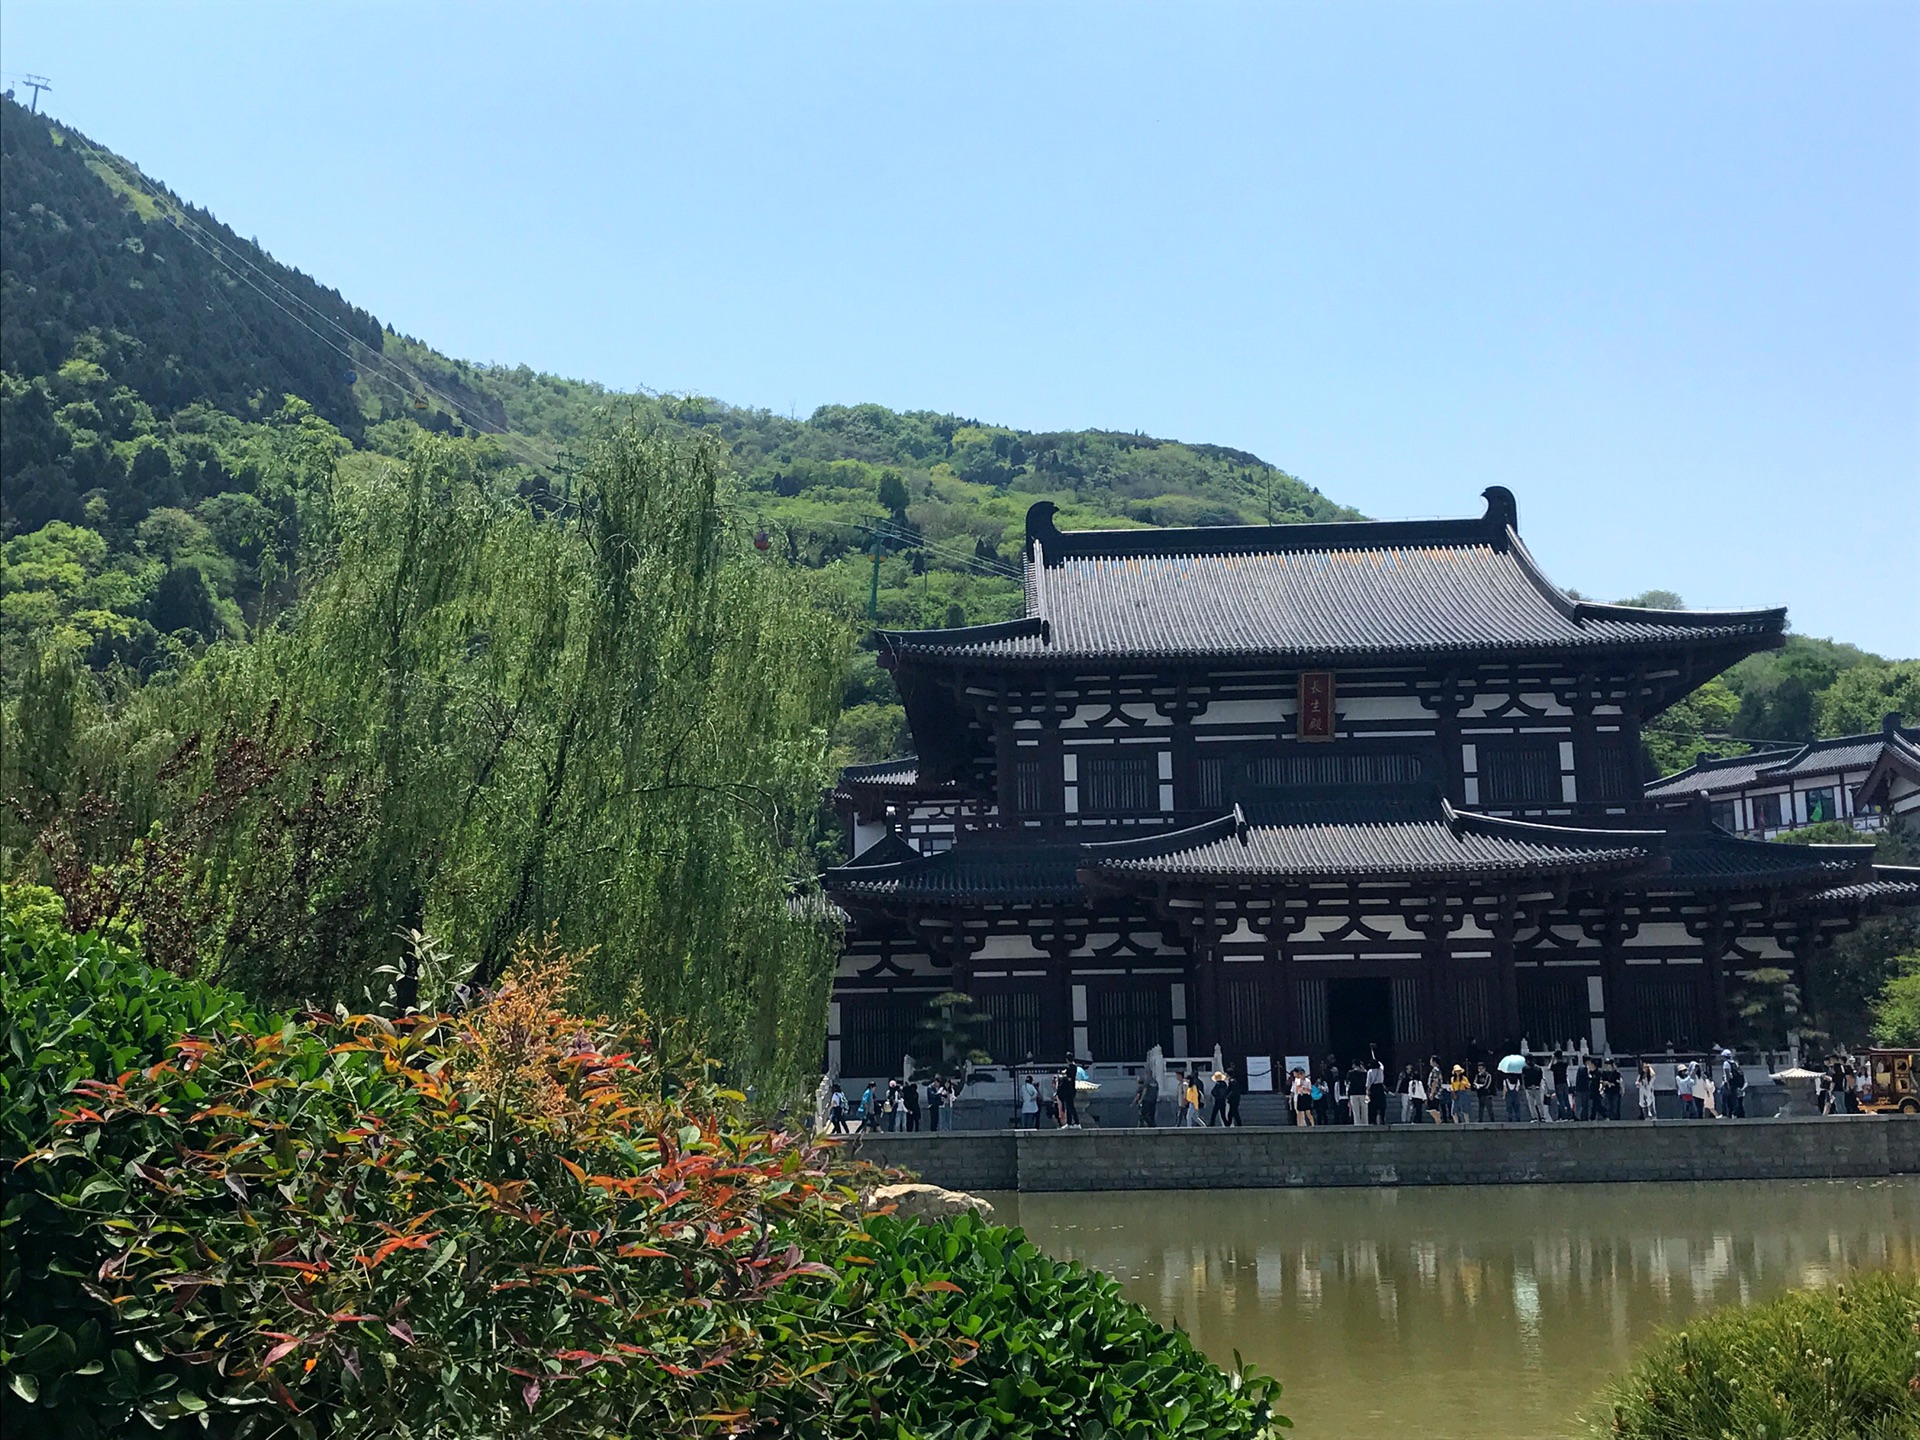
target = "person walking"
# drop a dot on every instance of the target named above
(1196, 1102)
(1483, 1093)
(1531, 1078)
(1683, 1083)
(866, 1109)
(1029, 1103)
(1181, 1094)
(1460, 1093)
(837, 1111)
(1643, 1086)
(1236, 1087)
(936, 1103)
(1510, 1086)
(1704, 1087)
(1586, 1089)
(910, 1098)
(1438, 1096)
(1219, 1097)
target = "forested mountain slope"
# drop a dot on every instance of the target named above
(166, 383)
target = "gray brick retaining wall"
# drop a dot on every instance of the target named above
(1817, 1148)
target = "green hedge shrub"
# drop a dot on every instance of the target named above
(1051, 1348)
(1811, 1365)
(513, 1222)
(76, 1008)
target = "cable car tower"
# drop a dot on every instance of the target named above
(36, 83)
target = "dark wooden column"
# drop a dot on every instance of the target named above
(1446, 702)
(1434, 919)
(1506, 922)
(1203, 932)
(1612, 930)
(1280, 932)
(1716, 933)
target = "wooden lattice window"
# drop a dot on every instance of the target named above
(1125, 1024)
(1652, 1012)
(1010, 1031)
(1027, 792)
(1119, 784)
(1244, 1021)
(877, 1031)
(1523, 772)
(1616, 770)
(1553, 1007)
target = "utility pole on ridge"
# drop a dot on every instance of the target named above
(36, 83)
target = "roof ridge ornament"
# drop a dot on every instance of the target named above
(1240, 826)
(1502, 509)
(1040, 526)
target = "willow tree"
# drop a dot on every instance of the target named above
(611, 726)
(608, 724)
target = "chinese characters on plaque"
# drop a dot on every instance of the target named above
(1316, 705)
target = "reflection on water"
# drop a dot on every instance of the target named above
(1483, 1313)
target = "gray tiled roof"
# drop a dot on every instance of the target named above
(1821, 757)
(1392, 837)
(1851, 752)
(1310, 591)
(967, 873)
(903, 773)
(1729, 773)
(1714, 860)
(1887, 890)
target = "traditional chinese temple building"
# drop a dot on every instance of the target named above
(1298, 789)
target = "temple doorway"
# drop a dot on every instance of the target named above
(1360, 1019)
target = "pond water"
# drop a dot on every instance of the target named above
(1490, 1313)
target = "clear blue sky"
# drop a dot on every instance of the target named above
(1654, 267)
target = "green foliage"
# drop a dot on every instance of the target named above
(481, 722)
(81, 1008)
(1811, 1365)
(948, 1031)
(1861, 698)
(78, 1010)
(513, 1222)
(1053, 1348)
(1896, 1014)
(1698, 723)
(1780, 689)
(1805, 690)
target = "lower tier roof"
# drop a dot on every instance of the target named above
(1393, 834)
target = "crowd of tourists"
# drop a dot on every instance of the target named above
(900, 1106)
(1516, 1089)
(1840, 1088)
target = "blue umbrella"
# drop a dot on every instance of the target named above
(1513, 1064)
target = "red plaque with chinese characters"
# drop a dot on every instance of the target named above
(1316, 705)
